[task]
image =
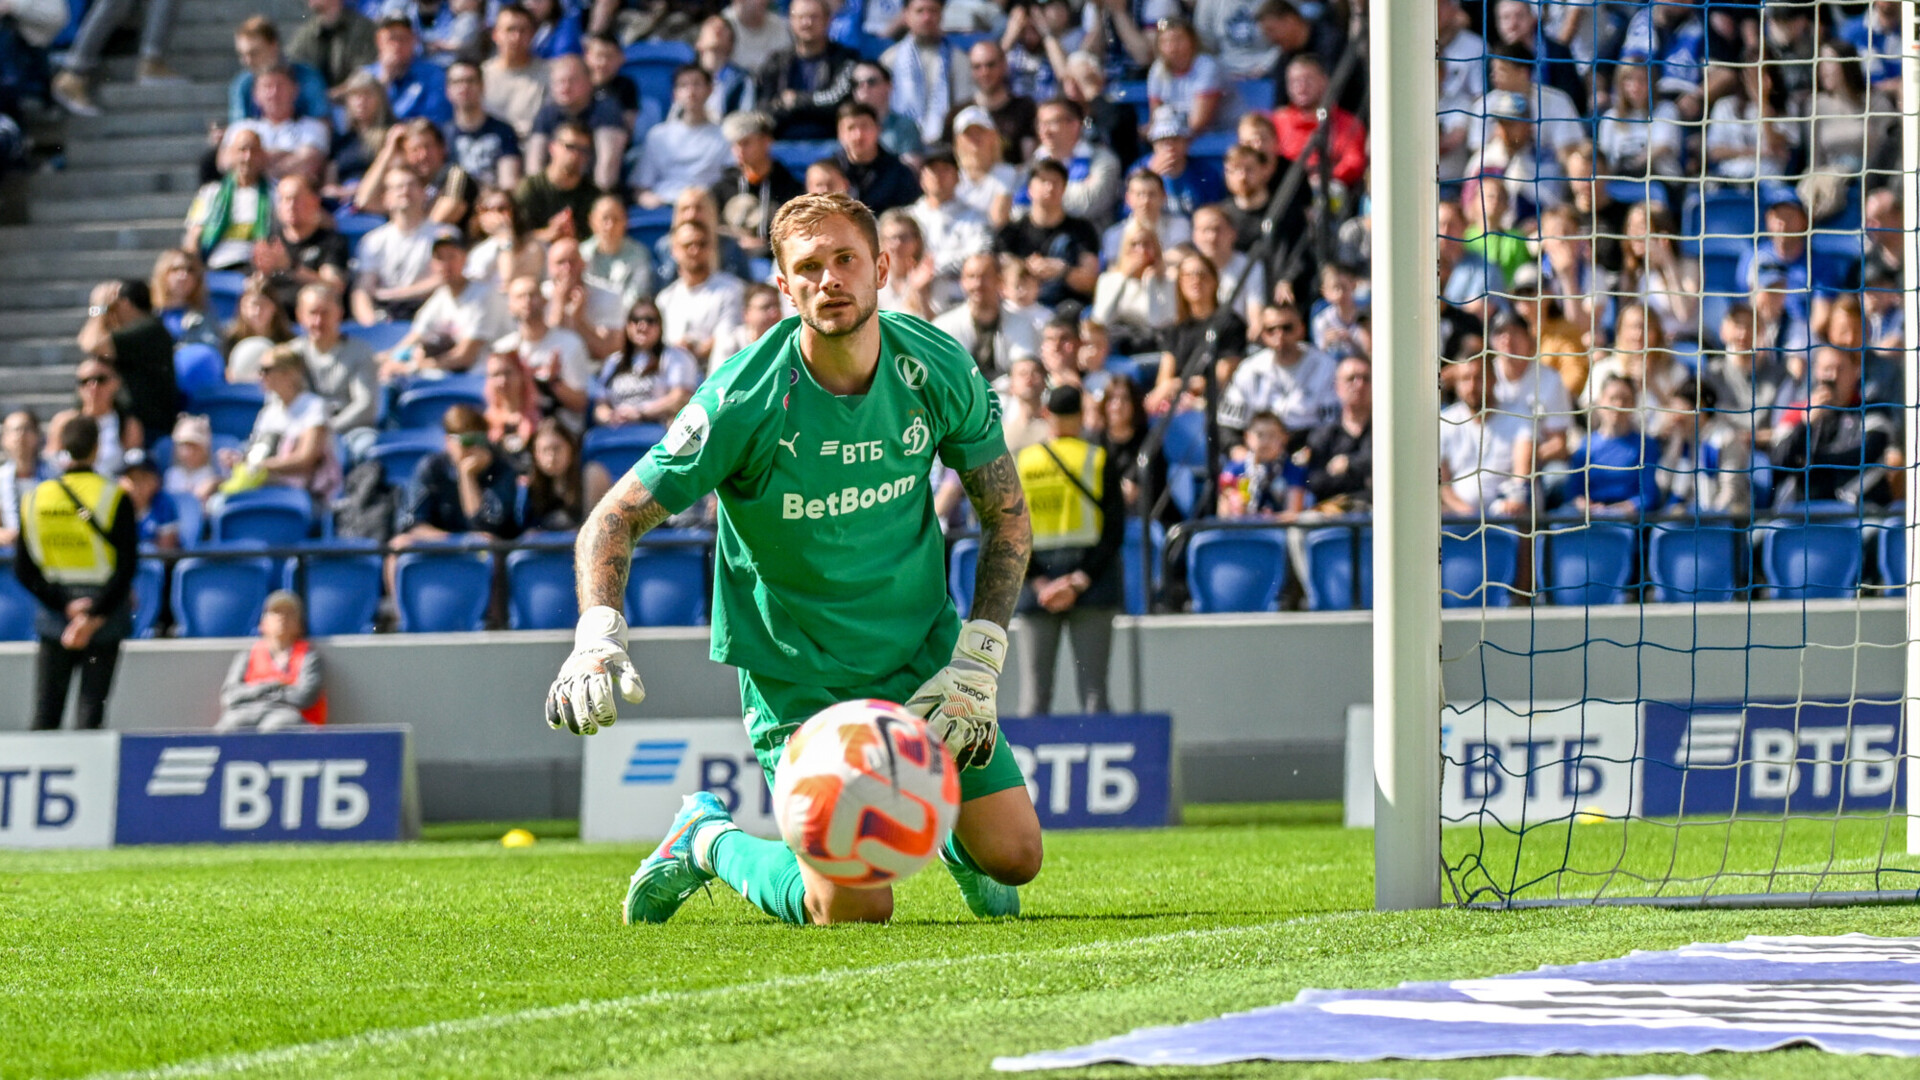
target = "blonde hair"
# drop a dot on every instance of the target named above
(807, 211)
(164, 265)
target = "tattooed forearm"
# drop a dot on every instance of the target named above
(1006, 537)
(604, 552)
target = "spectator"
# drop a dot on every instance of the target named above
(1296, 120)
(121, 330)
(1560, 344)
(1036, 41)
(456, 33)
(1061, 251)
(1190, 184)
(1639, 355)
(804, 85)
(1124, 436)
(1466, 284)
(259, 323)
(1518, 24)
(484, 146)
(899, 133)
(1251, 175)
(757, 34)
(1652, 268)
(986, 182)
(951, 228)
(1490, 226)
(1783, 247)
(988, 325)
(1525, 388)
(302, 249)
(1462, 55)
(420, 146)
(156, 517)
(291, 444)
(930, 77)
(1567, 265)
(394, 262)
(910, 272)
(1638, 137)
(615, 261)
(1185, 79)
(369, 121)
(879, 179)
(68, 88)
(1591, 202)
(275, 685)
(21, 472)
(1751, 132)
(556, 199)
(1617, 469)
(1745, 383)
(1231, 31)
(756, 184)
(700, 301)
(465, 489)
(556, 29)
(1014, 117)
(604, 58)
(1213, 237)
(1340, 452)
(1336, 326)
(1515, 154)
(1121, 33)
(555, 356)
(1146, 202)
(257, 43)
(576, 304)
(339, 368)
(295, 145)
(1486, 456)
(1849, 127)
(1285, 376)
(732, 85)
(555, 498)
(337, 41)
(570, 101)
(228, 215)
(1074, 578)
(415, 86)
(1262, 482)
(644, 381)
(1707, 460)
(457, 324)
(179, 291)
(512, 407)
(1134, 300)
(761, 311)
(516, 80)
(1114, 124)
(1093, 172)
(1778, 331)
(687, 149)
(193, 474)
(1875, 37)
(1060, 351)
(697, 205)
(80, 569)
(1201, 325)
(1023, 404)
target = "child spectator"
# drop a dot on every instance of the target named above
(1617, 469)
(555, 502)
(1336, 324)
(159, 515)
(193, 473)
(1264, 482)
(1707, 461)
(276, 684)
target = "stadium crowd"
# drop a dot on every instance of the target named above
(1669, 251)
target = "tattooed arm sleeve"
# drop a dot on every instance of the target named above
(1006, 537)
(603, 554)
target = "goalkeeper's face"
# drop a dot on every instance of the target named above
(832, 275)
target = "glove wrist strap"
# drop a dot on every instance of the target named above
(600, 624)
(982, 646)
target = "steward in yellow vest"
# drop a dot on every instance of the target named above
(79, 546)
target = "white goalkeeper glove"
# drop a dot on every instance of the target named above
(960, 702)
(581, 699)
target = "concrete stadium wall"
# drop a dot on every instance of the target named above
(1259, 701)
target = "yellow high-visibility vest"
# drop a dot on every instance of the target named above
(68, 550)
(1062, 515)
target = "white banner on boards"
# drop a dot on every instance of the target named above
(58, 789)
(634, 776)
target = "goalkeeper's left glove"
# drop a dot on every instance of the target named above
(960, 702)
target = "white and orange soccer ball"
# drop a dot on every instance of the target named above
(865, 794)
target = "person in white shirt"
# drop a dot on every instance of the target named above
(576, 304)
(701, 300)
(910, 274)
(952, 230)
(930, 76)
(394, 263)
(291, 442)
(1146, 201)
(20, 438)
(1134, 300)
(228, 216)
(989, 325)
(295, 145)
(1527, 389)
(686, 149)
(470, 314)
(1286, 377)
(1486, 456)
(556, 358)
(760, 312)
(757, 34)
(986, 182)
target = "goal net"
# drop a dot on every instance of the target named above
(1675, 441)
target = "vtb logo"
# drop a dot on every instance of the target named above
(654, 761)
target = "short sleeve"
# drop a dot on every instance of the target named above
(705, 444)
(971, 434)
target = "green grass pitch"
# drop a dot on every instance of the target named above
(455, 957)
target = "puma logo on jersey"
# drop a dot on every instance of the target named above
(794, 506)
(790, 443)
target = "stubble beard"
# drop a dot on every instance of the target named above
(863, 314)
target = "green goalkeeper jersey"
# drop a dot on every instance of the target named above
(831, 569)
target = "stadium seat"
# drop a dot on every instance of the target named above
(1331, 563)
(401, 452)
(440, 592)
(1236, 569)
(380, 336)
(660, 52)
(646, 227)
(220, 597)
(617, 448)
(540, 592)
(231, 408)
(1689, 564)
(420, 408)
(197, 369)
(353, 226)
(961, 563)
(17, 605)
(1186, 442)
(667, 585)
(149, 588)
(1890, 557)
(797, 154)
(272, 514)
(1586, 564)
(1811, 562)
(223, 294)
(1477, 565)
(342, 587)
(192, 522)
(1135, 582)
(1255, 95)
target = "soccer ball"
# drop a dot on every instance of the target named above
(865, 794)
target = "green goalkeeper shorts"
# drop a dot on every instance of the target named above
(775, 709)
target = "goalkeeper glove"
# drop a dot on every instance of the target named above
(581, 699)
(960, 701)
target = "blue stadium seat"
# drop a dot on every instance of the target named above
(231, 408)
(17, 605)
(668, 583)
(220, 597)
(149, 588)
(1186, 442)
(223, 294)
(342, 587)
(193, 520)
(274, 515)
(1256, 95)
(1689, 564)
(380, 336)
(660, 52)
(420, 408)
(1211, 144)
(1890, 554)
(1477, 563)
(961, 563)
(617, 448)
(197, 368)
(653, 72)
(1237, 569)
(353, 226)
(1135, 582)
(797, 154)
(402, 451)
(441, 592)
(1331, 565)
(646, 227)
(540, 592)
(1586, 564)
(1811, 561)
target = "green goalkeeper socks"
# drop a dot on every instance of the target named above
(765, 872)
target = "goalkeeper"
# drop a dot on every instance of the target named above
(830, 578)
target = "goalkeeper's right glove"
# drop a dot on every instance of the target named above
(581, 699)
(961, 702)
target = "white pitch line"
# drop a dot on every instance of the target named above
(298, 1052)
